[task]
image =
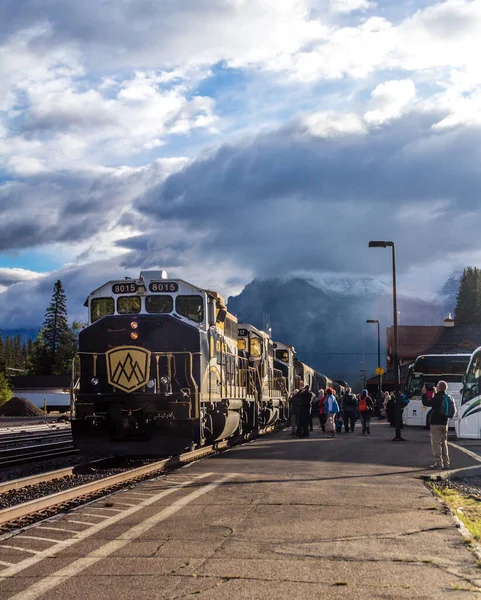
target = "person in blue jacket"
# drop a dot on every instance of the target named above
(331, 409)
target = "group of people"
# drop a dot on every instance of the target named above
(333, 414)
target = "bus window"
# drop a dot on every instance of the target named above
(191, 307)
(159, 304)
(128, 305)
(255, 347)
(101, 307)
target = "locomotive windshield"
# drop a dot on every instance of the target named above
(282, 355)
(159, 304)
(255, 347)
(191, 307)
(128, 305)
(101, 307)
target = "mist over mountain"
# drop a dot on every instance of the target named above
(325, 319)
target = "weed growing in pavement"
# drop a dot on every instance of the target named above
(340, 583)
(467, 508)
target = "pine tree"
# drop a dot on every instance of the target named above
(468, 305)
(54, 348)
(38, 362)
(5, 390)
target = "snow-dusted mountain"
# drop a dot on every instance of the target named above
(325, 317)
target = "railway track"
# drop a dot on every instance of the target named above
(25, 513)
(19, 455)
(33, 438)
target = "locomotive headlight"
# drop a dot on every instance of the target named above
(150, 384)
(94, 381)
(134, 335)
(164, 380)
(134, 324)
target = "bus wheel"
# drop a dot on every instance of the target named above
(428, 420)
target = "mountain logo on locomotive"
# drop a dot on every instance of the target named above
(128, 367)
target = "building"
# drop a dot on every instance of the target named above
(52, 390)
(415, 340)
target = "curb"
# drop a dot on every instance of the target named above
(454, 474)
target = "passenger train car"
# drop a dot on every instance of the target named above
(163, 366)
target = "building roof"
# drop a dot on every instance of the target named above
(415, 340)
(27, 382)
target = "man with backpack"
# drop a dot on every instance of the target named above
(349, 409)
(442, 409)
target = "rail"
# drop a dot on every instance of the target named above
(113, 482)
(25, 454)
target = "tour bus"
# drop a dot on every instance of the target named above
(428, 370)
(468, 420)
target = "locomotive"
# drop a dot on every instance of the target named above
(162, 367)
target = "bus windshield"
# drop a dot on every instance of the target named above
(472, 382)
(430, 369)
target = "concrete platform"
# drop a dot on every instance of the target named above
(279, 518)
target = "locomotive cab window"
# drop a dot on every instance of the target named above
(191, 307)
(101, 307)
(255, 347)
(159, 304)
(282, 355)
(128, 305)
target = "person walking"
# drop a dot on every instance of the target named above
(294, 402)
(386, 399)
(331, 409)
(442, 409)
(322, 415)
(366, 409)
(391, 410)
(305, 402)
(314, 412)
(349, 408)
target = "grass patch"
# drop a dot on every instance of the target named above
(466, 508)
(340, 583)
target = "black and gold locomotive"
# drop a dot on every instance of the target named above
(162, 367)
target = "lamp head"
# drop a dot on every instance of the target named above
(372, 321)
(378, 244)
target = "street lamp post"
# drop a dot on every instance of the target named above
(397, 382)
(378, 352)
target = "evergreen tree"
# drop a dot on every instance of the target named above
(38, 362)
(5, 390)
(3, 363)
(468, 305)
(54, 348)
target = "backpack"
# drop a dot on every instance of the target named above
(363, 407)
(447, 408)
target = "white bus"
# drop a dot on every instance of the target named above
(428, 370)
(468, 420)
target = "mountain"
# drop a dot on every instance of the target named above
(325, 319)
(449, 292)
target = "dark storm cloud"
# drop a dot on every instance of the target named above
(288, 199)
(69, 206)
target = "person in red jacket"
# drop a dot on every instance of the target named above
(322, 416)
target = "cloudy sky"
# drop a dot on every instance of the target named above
(228, 139)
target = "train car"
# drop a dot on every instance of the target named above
(158, 370)
(284, 362)
(271, 385)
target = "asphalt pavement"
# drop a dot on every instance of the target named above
(278, 518)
